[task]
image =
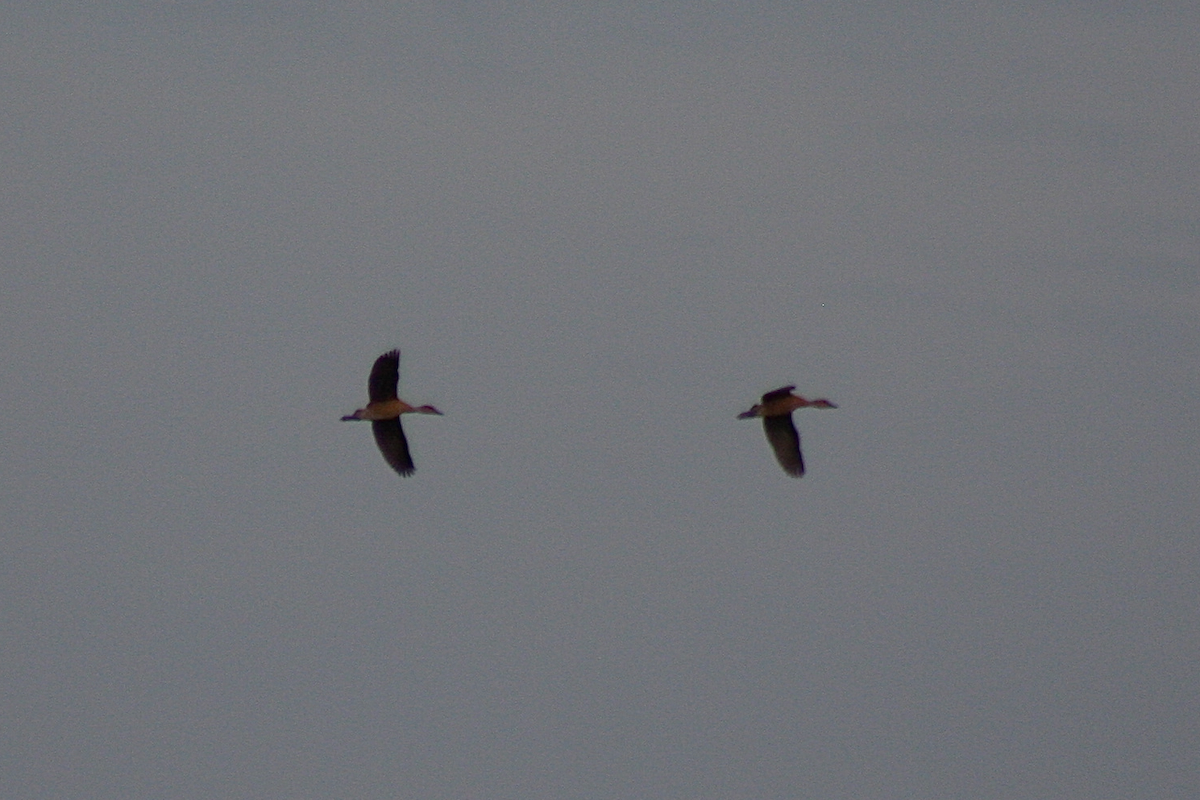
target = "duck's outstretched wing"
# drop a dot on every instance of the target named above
(777, 394)
(389, 436)
(785, 441)
(384, 377)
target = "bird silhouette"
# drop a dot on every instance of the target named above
(384, 410)
(776, 411)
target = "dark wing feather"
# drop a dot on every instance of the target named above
(390, 438)
(777, 394)
(785, 441)
(384, 377)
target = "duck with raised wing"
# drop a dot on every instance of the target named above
(776, 411)
(384, 410)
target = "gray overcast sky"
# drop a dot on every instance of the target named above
(597, 232)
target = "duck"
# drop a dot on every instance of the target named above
(384, 410)
(776, 411)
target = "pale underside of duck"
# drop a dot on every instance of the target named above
(776, 412)
(384, 410)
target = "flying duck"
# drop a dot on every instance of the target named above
(384, 410)
(776, 411)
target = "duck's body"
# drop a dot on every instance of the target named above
(776, 411)
(384, 410)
